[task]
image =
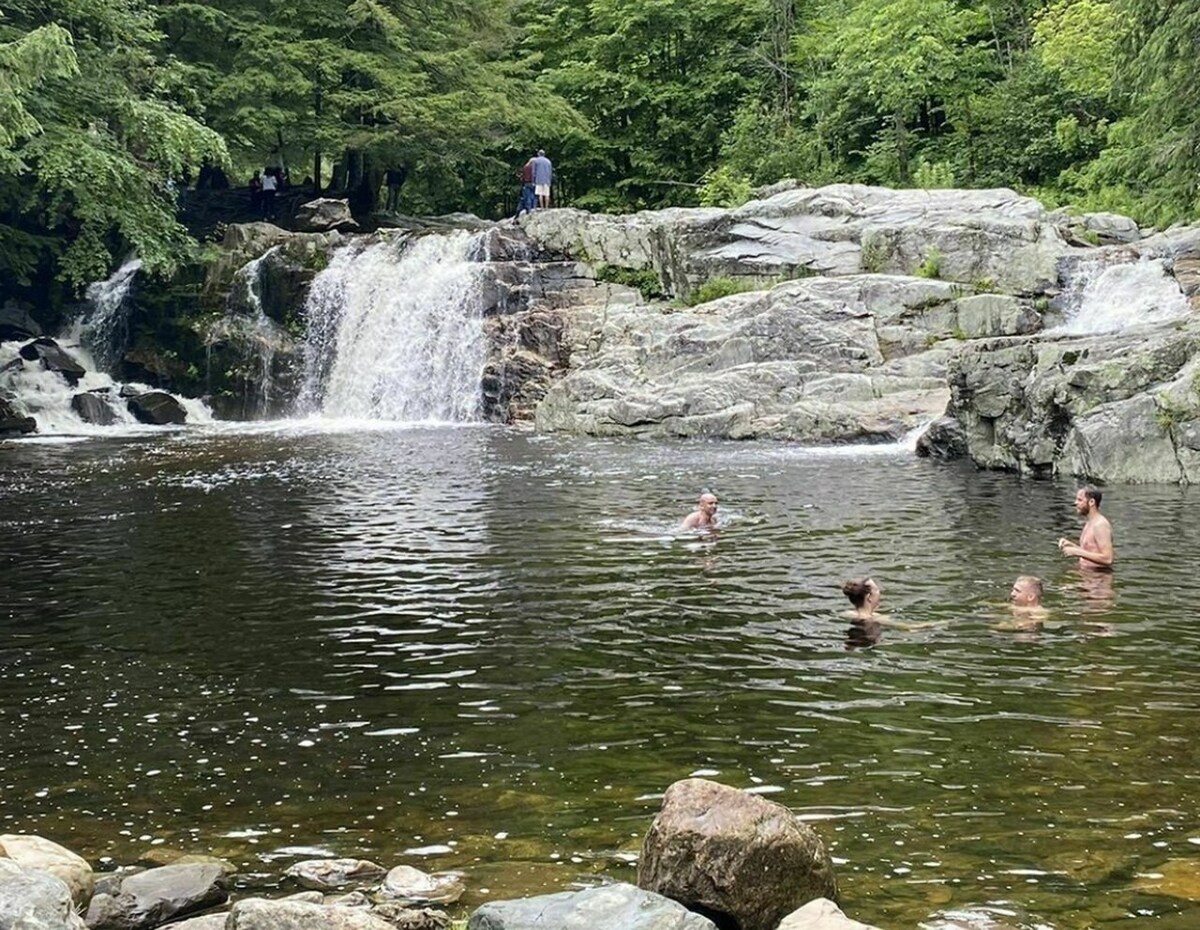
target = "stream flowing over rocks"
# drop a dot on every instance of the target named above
(1024, 339)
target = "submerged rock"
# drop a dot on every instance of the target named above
(402, 917)
(743, 860)
(607, 907)
(34, 900)
(157, 407)
(821, 914)
(404, 883)
(260, 914)
(36, 852)
(335, 874)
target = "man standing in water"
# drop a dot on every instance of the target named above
(1095, 549)
(704, 517)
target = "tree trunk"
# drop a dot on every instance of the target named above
(902, 147)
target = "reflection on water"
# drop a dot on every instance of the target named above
(491, 651)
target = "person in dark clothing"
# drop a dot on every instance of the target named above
(394, 178)
(528, 200)
(270, 187)
(256, 194)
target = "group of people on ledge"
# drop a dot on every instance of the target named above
(1094, 552)
(537, 175)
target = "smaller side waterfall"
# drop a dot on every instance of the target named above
(246, 319)
(1104, 298)
(395, 333)
(102, 329)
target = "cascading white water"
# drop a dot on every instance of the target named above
(395, 333)
(103, 323)
(1104, 298)
(47, 396)
(255, 329)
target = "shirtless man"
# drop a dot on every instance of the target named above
(704, 517)
(1095, 549)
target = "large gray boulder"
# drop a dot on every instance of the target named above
(34, 900)
(260, 914)
(1122, 407)
(744, 860)
(335, 874)
(822, 360)
(607, 907)
(94, 409)
(821, 914)
(995, 236)
(37, 852)
(324, 214)
(155, 896)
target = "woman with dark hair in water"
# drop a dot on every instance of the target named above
(865, 595)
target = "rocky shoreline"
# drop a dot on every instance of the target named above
(715, 858)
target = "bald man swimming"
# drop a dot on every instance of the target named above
(704, 517)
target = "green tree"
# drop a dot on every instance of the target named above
(90, 142)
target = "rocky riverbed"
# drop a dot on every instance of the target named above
(715, 858)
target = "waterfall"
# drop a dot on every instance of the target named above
(251, 325)
(103, 326)
(1102, 298)
(395, 332)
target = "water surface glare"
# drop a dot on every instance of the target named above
(483, 649)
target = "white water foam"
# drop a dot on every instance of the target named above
(102, 326)
(1105, 298)
(46, 395)
(395, 332)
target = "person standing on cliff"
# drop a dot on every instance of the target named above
(270, 187)
(1095, 549)
(543, 177)
(528, 199)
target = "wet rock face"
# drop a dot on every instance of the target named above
(94, 409)
(611, 907)
(16, 322)
(740, 859)
(53, 358)
(12, 422)
(157, 408)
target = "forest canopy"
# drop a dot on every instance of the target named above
(107, 107)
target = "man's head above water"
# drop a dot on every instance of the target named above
(1087, 499)
(1027, 591)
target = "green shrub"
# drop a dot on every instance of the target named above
(716, 288)
(722, 187)
(932, 266)
(644, 279)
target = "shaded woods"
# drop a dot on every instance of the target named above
(108, 106)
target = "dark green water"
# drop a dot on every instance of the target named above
(486, 647)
